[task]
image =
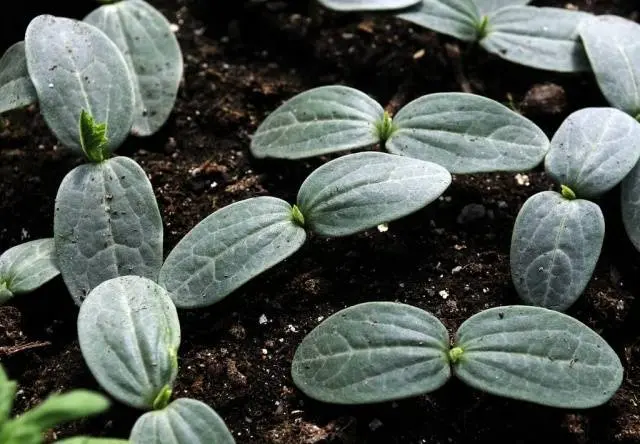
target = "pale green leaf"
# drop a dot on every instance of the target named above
(360, 191)
(457, 18)
(488, 6)
(537, 355)
(630, 205)
(16, 89)
(366, 5)
(228, 248)
(129, 335)
(27, 266)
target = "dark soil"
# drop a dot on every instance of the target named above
(241, 63)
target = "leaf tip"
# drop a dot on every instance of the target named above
(567, 192)
(296, 216)
(93, 137)
(455, 354)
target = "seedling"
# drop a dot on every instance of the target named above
(57, 409)
(344, 196)
(152, 53)
(557, 237)
(383, 351)
(465, 133)
(26, 267)
(129, 335)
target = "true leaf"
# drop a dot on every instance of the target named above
(543, 38)
(488, 6)
(93, 138)
(228, 248)
(630, 205)
(359, 191)
(129, 336)
(75, 66)
(537, 355)
(60, 408)
(183, 421)
(152, 53)
(366, 5)
(373, 352)
(467, 133)
(319, 121)
(611, 43)
(555, 245)
(16, 89)
(106, 224)
(7, 394)
(457, 18)
(593, 150)
(27, 266)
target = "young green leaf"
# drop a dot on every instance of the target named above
(466, 133)
(183, 421)
(60, 408)
(555, 246)
(488, 6)
(228, 248)
(129, 336)
(7, 394)
(611, 43)
(91, 440)
(543, 38)
(630, 205)
(93, 138)
(15, 433)
(359, 191)
(74, 66)
(457, 18)
(593, 150)
(537, 355)
(366, 5)
(16, 89)
(106, 224)
(373, 352)
(152, 53)
(26, 267)
(319, 121)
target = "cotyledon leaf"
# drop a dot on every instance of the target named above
(16, 89)
(366, 5)
(75, 66)
(129, 336)
(488, 6)
(359, 191)
(555, 245)
(457, 18)
(593, 150)
(319, 121)
(106, 224)
(184, 421)
(152, 53)
(466, 133)
(228, 248)
(630, 205)
(27, 266)
(612, 44)
(543, 38)
(373, 352)
(537, 355)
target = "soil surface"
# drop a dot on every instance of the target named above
(241, 62)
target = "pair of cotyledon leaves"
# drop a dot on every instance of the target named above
(557, 238)
(129, 335)
(464, 133)
(543, 38)
(383, 351)
(122, 65)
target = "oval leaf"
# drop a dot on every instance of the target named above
(28, 266)
(611, 43)
(488, 6)
(60, 408)
(373, 352)
(593, 150)
(16, 89)
(183, 421)
(537, 355)
(75, 66)
(319, 121)
(106, 224)
(543, 38)
(457, 18)
(630, 205)
(359, 191)
(129, 336)
(228, 248)
(152, 53)
(466, 133)
(555, 246)
(366, 5)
